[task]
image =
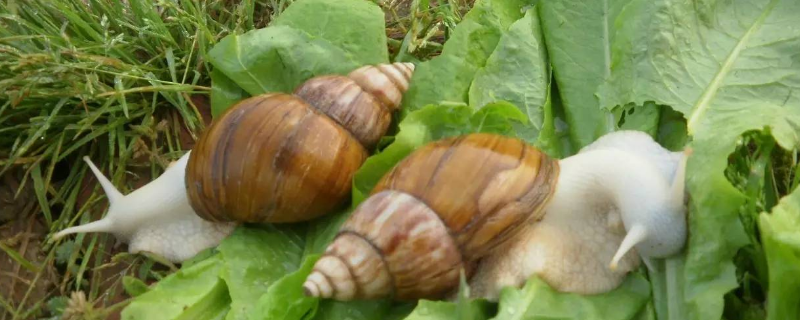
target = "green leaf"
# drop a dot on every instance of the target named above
(442, 310)
(517, 71)
(414, 131)
(400, 310)
(671, 129)
(200, 256)
(285, 298)
(470, 309)
(253, 260)
(431, 123)
(133, 286)
(448, 77)
(64, 251)
(496, 54)
(333, 21)
(536, 300)
(224, 92)
(57, 305)
(310, 38)
(464, 308)
(781, 241)
(191, 293)
(647, 313)
(354, 310)
(641, 118)
(277, 59)
(729, 68)
(322, 230)
(668, 287)
(551, 140)
(696, 58)
(714, 225)
(497, 117)
(579, 35)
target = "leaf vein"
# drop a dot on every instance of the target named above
(245, 69)
(711, 90)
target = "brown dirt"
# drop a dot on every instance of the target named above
(24, 235)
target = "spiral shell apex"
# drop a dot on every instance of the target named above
(363, 101)
(286, 158)
(437, 212)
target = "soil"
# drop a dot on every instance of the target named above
(24, 234)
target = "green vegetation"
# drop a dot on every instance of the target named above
(131, 85)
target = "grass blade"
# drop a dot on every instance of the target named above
(36, 135)
(41, 189)
(19, 258)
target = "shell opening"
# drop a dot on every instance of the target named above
(310, 289)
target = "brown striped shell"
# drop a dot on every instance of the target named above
(439, 210)
(286, 158)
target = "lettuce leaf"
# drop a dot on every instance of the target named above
(253, 260)
(442, 310)
(447, 78)
(517, 72)
(463, 308)
(310, 38)
(579, 35)
(781, 240)
(354, 310)
(196, 292)
(277, 59)
(728, 67)
(285, 299)
(536, 300)
(224, 92)
(333, 21)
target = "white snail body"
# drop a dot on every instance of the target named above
(642, 145)
(156, 218)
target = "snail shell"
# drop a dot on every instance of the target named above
(439, 210)
(287, 158)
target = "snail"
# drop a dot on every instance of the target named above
(274, 158)
(504, 211)
(155, 219)
(271, 158)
